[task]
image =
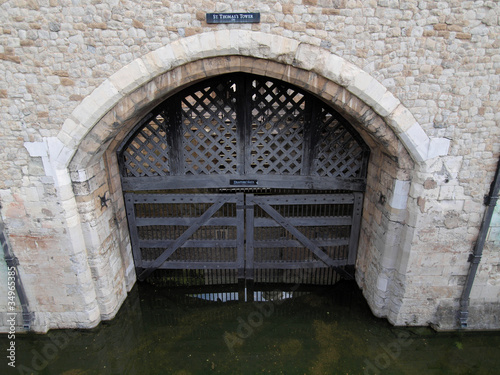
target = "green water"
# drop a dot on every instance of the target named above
(325, 331)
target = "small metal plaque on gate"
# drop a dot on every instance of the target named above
(243, 182)
(233, 17)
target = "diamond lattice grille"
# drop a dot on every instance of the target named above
(209, 130)
(338, 153)
(240, 124)
(147, 154)
(277, 129)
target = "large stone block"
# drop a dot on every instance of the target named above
(127, 79)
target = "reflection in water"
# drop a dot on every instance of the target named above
(247, 295)
(231, 330)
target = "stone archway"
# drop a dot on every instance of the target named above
(83, 163)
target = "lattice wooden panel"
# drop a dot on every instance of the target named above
(338, 153)
(242, 124)
(277, 129)
(209, 130)
(147, 154)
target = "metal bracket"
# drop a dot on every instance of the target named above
(474, 259)
(490, 200)
(12, 261)
(463, 317)
(28, 317)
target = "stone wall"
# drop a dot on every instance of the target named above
(439, 61)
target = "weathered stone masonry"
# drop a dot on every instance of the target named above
(418, 79)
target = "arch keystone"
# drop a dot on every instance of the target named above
(223, 43)
(194, 48)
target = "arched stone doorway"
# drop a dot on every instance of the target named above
(248, 174)
(83, 162)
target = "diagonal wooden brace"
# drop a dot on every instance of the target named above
(183, 238)
(301, 237)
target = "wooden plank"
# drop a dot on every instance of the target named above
(172, 265)
(307, 221)
(297, 234)
(298, 264)
(180, 198)
(223, 181)
(152, 244)
(294, 243)
(184, 221)
(355, 227)
(183, 238)
(309, 199)
(132, 227)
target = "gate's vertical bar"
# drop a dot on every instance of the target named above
(249, 253)
(244, 103)
(132, 227)
(355, 227)
(240, 234)
(310, 136)
(249, 256)
(175, 136)
(240, 244)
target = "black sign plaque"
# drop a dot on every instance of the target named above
(233, 17)
(243, 182)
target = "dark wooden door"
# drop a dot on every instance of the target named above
(246, 232)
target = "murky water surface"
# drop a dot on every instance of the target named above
(324, 331)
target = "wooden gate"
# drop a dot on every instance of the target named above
(243, 173)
